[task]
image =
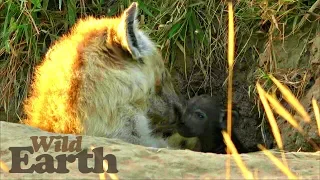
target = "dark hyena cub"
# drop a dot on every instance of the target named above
(203, 117)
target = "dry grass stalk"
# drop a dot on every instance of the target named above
(4, 167)
(278, 163)
(245, 172)
(316, 113)
(291, 99)
(287, 116)
(278, 108)
(103, 176)
(271, 118)
(295, 79)
(230, 63)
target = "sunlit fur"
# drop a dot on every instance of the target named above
(92, 82)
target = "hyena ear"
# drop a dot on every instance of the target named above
(138, 44)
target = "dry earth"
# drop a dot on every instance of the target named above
(137, 162)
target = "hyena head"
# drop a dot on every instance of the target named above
(165, 97)
(162, 102)
(105, 68)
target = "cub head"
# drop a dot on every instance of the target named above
(200, 116)
(203, 114)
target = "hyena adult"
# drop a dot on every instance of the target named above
(98, 80)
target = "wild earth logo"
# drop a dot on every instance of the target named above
(61, 145)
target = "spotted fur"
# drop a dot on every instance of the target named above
(99, 80)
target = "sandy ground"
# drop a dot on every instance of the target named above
(137, 162)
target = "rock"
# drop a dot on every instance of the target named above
(139, 162)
